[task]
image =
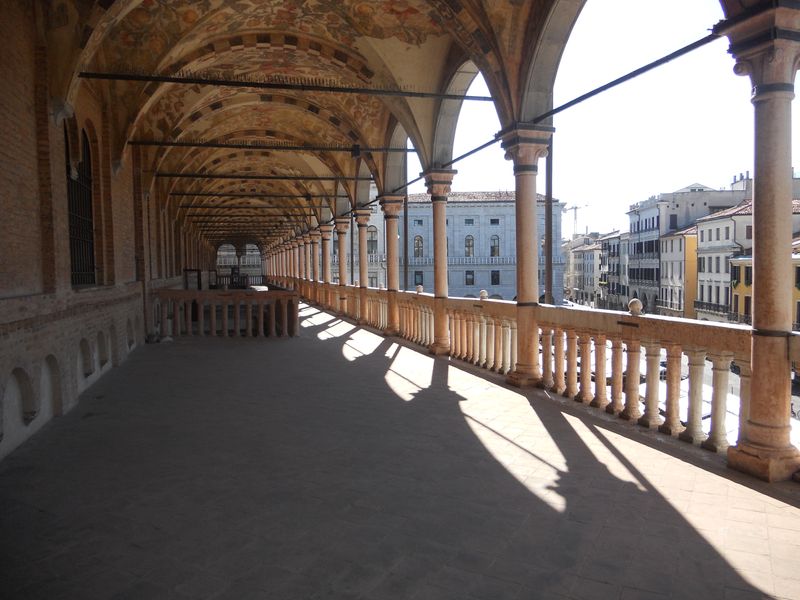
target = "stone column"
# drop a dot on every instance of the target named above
(767, 49)
(326, 231)
(342, 223)
(314, 276)
(301, 259)
(392, 206)
(525, 145)
(362, 220)
(439, 182)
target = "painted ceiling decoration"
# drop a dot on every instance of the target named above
(354, 49)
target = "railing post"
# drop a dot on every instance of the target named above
(600, 393)
(547, 358)
(212, 318)
(584, 395)
(248, 316)
(651, 419)
(201, 317)
(744, 393)
(164, 317)
(672, 421)
(176, 318)
(572, 364)
(489, 364)
(693, 433)
(632, 412)
(717, 440)
(559, 385)
(498, 345)
(187, 316)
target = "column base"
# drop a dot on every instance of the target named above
(692, 438)
(522, 380)
(673, 430)
(650, 422)
(391, 332)
(600, 403)
(439, 349)
(718, 446)
(768, 464)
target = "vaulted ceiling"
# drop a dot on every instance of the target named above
(366, 54)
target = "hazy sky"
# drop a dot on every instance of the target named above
(689, 121)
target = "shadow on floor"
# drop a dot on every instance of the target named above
(237, 469)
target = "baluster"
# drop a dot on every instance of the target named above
(212, 318)
(248, 317)
(225, 319)
(187, 315)
(482, 333)
(455, 334)
(559, 385)
(285, 317)
(506, 347)
(475, 358)
(585, 392)
(600, 393)
(572, 364)
(514, 342)
(717, 440)
(694, 419)
(462, 335)
(744, 394)
(429, 328)
(616, 406)
(672, 420)
(164, 318)
(260, 319)
(469, 324)
(547, 358)
(272, 317)
(176, 318)
(201, 317)
(237, 317)
(651, 419)
(490, 362)
(632, 412)
(498, 345)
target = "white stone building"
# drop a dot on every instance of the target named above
(481, 245)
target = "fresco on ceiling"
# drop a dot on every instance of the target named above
(152, 29)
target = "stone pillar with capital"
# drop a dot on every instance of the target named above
(342, 223)
(362, 216)
(438, 182)
(392, 207)
(327, 233)
(525, 144)
(766, 48)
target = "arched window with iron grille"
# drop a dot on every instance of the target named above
(81, 216)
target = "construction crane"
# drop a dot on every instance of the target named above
(574, 210)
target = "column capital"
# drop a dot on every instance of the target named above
(438, 181)
(765, 42)
(362, 216)
(306, 238)
(525, 144)
(315, 235)
(326, 231)
(342, 224)
(392, 205)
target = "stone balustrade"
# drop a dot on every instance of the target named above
(631, 366)
(239, 313)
